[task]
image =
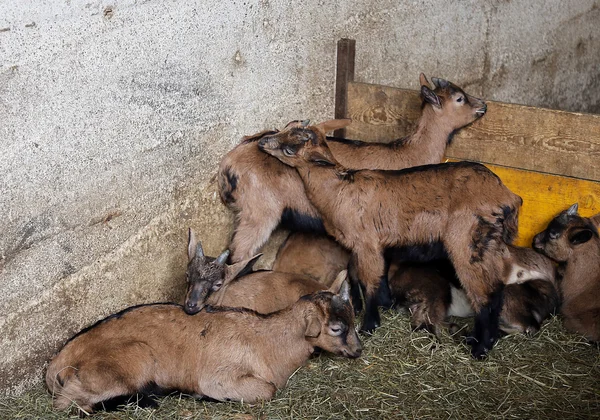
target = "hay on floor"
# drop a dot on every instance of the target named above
(404, 374)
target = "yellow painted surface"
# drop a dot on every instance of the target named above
(544, 196)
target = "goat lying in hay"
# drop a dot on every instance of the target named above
(220, 353)
(573, 242)
(212, 282)
(263, 192)
(462, 205)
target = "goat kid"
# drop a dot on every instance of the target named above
(311, 254)
(430, 292)
(463, 205)
(573, 242)
(264, 193)
(212, 282)
(221, 353)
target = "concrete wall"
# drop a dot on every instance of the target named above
(114, 115)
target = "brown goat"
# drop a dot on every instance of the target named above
(311, 254)
(221, 353)
(463, 205)
(262, 192)
(573, 242)
(530, 293)
(212, 282)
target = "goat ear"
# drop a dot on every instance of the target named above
(423, 80)
(581, 236)
(430, 97)
(240, 268)
(338, 282)
(313, 326)
(333, 125)
(194, 247)
(572, 211)
(320, 159)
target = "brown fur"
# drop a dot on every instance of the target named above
(316, 256)
(424, 291)
(574, 243)
(530, 293)
(213, 282)
(221, 353)
(259, 188)
(464, 205)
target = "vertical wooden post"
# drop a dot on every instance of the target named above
(344, 74)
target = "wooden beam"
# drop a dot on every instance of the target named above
(538, 139)
(346, 49)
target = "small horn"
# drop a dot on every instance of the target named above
(441, 83)
(305, 123)
(572, 211)
(223, 257)
(199, 250)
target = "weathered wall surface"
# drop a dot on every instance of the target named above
(114, 115)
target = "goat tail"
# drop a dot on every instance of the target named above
(511, 220)
(227, 181)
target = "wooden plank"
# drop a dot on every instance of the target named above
(380, 113)
(537, 139)
(346, 51)
(544, 196)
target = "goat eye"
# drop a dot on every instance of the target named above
(336, 329)
(217, 286)
(288, 151)
(459, 99)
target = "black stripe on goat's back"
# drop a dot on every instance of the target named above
(210, 309)
(119, 315)
(292, 219)
(358, 143)
(435, 167)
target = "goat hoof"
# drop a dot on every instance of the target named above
(369, 328)
(479, 352)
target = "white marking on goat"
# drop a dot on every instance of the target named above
(460, 305)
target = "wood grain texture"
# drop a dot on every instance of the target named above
(544, 196)
(538, 139)
(346, 51)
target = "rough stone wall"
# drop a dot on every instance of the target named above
(115, 114)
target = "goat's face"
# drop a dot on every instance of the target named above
(332, 329)
(299, 143)
(204, 275)
(452, 105)
(566, 234)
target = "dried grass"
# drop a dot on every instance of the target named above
(404, 374)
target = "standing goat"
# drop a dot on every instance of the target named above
(263, 192)
(573, 242)
(221, 353)
(463, 205)
(212, 282)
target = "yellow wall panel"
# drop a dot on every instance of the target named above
(544, 196)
